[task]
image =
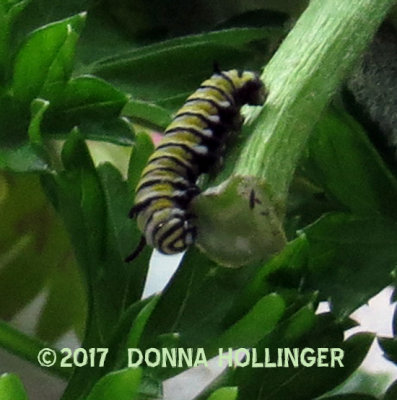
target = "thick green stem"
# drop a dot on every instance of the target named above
(305, 72)
(240, 221)
(28, 348)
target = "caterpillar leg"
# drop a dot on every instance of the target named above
(192, 191)
(137, 251)
(132, 213)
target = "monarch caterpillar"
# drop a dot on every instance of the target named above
(193, 142)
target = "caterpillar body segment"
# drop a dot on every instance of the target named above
(192, 143)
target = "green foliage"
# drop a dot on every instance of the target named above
(32, 235)
(11, 388)
(72, 71)
(357, 245)
(189, 61)
(227, 393)
(47, 68)
(122, 385)
(304, 383)
(349, 168)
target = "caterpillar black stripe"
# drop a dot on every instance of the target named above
(192, 142)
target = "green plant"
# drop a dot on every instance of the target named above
(62, 83)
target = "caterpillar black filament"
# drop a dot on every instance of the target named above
(192, 143)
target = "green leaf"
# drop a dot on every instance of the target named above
(95, 217)
(225, 393)
(9, 11)
(112, 130)
(291, 259)
(251, 381)
(22, 156)
(118, 203)
(80, 190)
(44, 63)
(307, 202)
(28, 348)
(12, 8)
(11, 388)
(319, 380)
(184, 63)
(75, 154)
(42, 12)
(139, 323)
(350, 258)
(181, 307)
(91, 95)
(94, 204)
(364, 381)
(122, 233)
(141, 151)
(124, 326)
(300, 323)
(389, 347)
(258, 321)
(345, 163)
(120, 385)
(78, 197)
(301, 383)
(336, 255)
(38, 108)
(93, 105)
(147, 114)
(183, 311)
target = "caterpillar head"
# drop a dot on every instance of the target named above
(174, 233)
(249, 88)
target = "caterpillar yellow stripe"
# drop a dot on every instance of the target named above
(193, 141)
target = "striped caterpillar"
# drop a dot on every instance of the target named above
(192, 143)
